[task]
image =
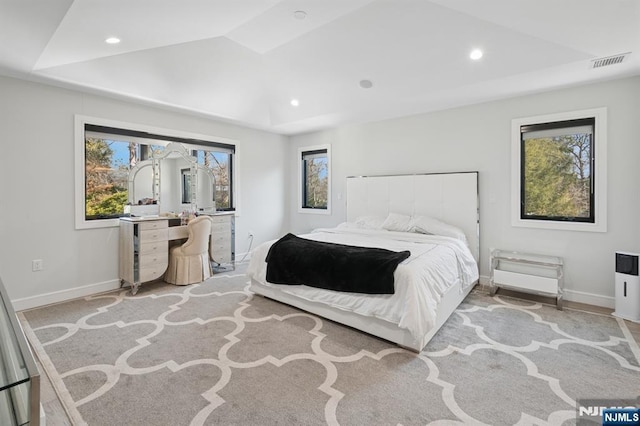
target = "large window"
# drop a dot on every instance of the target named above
(106, 153)
(315, 179)
(557, 171)
(559, 168)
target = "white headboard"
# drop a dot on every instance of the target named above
(449, 197)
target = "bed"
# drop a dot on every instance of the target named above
(429, 284)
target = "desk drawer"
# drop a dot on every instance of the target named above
(153, 247)
(154, 224)
(152, 273)
(221, 219)
(220, 239)
(151, 261)
(221, 253)
(153, 235)
(221, 228)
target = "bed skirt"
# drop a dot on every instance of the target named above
(371, 325)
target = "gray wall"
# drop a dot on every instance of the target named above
(478, 138)
(37, 188)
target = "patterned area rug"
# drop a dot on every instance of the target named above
(213, 354)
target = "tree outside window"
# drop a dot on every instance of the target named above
(220, 163)
(315, 169)
(106, 178)
(557, 171)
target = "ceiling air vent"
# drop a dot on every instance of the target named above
(609, 60)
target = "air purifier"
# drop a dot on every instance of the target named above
(627, 286)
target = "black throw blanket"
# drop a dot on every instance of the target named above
(293, 260)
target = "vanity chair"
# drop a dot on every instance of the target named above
(189, 262)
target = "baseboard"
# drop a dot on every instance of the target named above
(573, 296)
(88, 290)
(62, 295)
(590, 298)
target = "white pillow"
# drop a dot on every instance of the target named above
(370, 222)
(398, 222)
(430, 225)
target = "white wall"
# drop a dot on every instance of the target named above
(478, 138)
(37, 195)
(37, 179)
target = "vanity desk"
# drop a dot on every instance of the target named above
(173, 180)
(222, 240)
(144, 245)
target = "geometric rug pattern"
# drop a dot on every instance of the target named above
(215, 354)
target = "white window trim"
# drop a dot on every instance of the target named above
(600, 185)
(79, 163)
(301, 209)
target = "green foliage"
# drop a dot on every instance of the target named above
(98, 152)
(106, 204)
(556, 178)
(105, 191)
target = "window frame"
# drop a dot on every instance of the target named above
(185, 186)
(302, 181)
(599, 171)
(232, 183)
(80, 121)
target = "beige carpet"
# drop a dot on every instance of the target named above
(212, 354)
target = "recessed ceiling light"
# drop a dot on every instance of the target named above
(112, 40)
(300, 14)
(295, 102)
(475, 54)
(366, 84)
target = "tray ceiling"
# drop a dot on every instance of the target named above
(246, 60)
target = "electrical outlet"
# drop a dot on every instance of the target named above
(37, 265)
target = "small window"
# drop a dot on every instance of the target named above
(559, 171)
(315, 179)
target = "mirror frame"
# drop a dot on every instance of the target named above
(131, 178)
(169, 150)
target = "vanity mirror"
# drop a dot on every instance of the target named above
(141, 189)
(171, 181)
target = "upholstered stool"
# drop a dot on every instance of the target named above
(189, 263)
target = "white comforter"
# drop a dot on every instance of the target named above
(436, 263)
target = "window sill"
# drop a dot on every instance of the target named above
(96, 224)
(563, 226)
(314, 211)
